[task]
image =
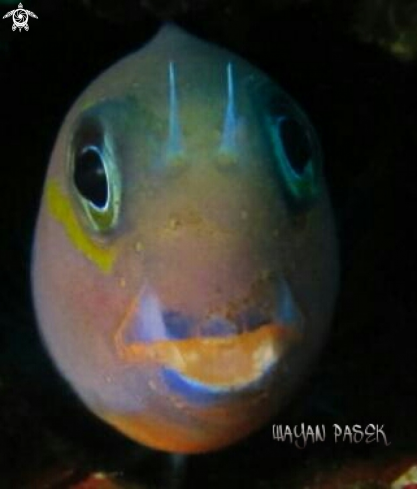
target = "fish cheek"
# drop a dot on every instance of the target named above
(78, 305)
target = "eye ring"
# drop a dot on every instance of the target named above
(95, 178)
(298, 167)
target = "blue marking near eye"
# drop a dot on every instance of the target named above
(228, 143)
(175, 146)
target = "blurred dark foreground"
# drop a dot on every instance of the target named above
(338, 62)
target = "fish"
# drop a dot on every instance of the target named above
(185, 259)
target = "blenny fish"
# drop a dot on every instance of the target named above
(185, 261)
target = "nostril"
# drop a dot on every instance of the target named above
(251, 319)
(178, 326)
(217, 326)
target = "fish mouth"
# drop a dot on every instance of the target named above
(224, 361)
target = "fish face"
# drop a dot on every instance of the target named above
(185, 265)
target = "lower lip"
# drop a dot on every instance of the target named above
(199, 393)
(213, 367)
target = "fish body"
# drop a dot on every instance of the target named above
(185, 261)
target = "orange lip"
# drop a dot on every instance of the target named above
(223, 362)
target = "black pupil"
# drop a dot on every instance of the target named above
(296, 143)
(90, 176)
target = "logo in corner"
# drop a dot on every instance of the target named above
(20, 17)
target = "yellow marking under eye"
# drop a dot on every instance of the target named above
(61, 209)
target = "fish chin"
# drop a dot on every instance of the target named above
(203, 393)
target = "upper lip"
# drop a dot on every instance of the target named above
(147, 320)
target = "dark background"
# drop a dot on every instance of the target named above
(351, 66)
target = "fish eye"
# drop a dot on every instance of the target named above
(95, 177)
(296, 151)
(90, 177)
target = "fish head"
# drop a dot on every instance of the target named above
(185, 264)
